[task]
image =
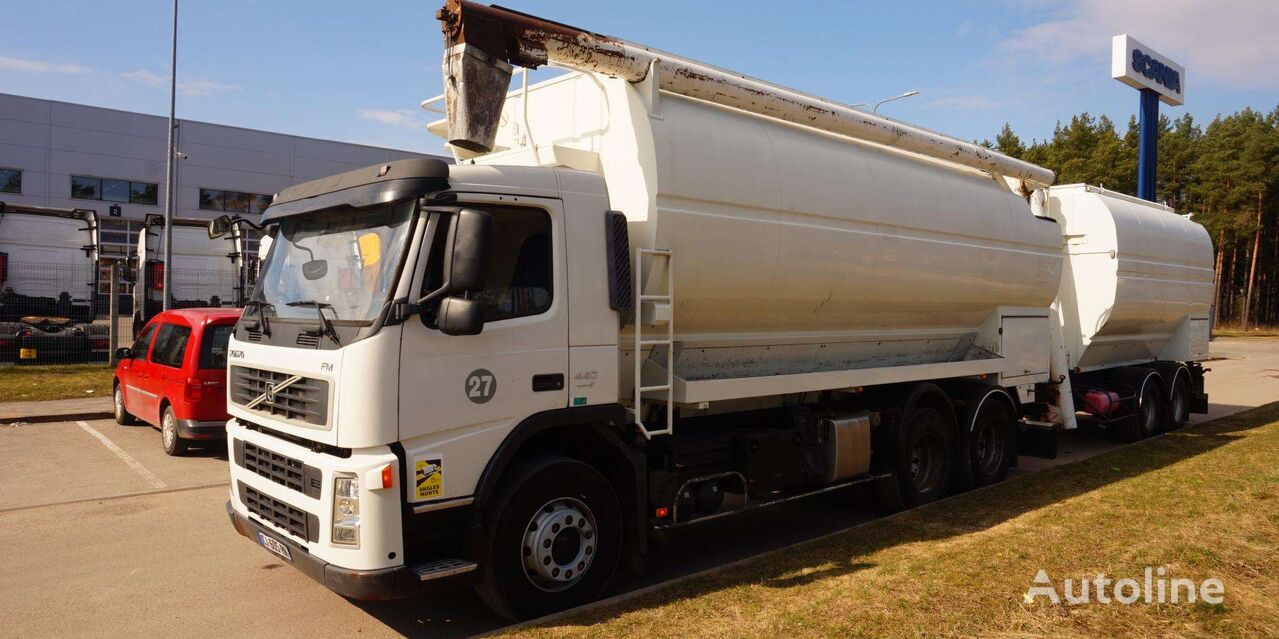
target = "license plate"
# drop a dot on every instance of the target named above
(275, 547)
(26, 353)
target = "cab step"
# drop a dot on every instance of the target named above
(441, 568)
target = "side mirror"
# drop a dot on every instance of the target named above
(123, 353)
(472, 236)
(220, 226)
(460, 316)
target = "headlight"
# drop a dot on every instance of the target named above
(346, 509)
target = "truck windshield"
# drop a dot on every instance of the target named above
(343, 260)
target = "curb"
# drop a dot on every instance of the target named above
(65, 417)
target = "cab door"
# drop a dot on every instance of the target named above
(478, 387)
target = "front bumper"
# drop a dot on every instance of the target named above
(365, 585)
(195, 429)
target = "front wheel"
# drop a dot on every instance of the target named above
(173, 443)
(555, 541)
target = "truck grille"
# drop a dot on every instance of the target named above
(296, 521)
(281, 469)
(305, 400)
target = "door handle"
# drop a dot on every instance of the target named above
(548, 382)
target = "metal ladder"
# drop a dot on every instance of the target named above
(668, 342)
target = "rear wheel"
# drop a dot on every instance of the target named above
(173, 443)
(1151, 412)
(122, 415)
(992, 442)
(1179, 404)
(555, 541)
(927, 454)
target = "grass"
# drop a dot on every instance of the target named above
(1239, 330)
(1202, 502)
(57, 381)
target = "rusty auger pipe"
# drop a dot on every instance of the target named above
(483, 42)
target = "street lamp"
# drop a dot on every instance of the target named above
(896, 97)
(169, 198)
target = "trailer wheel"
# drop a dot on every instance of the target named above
(1179, 404)
(927, 454)
(122, 415)
(1152, 412)
(555, 541)
(173, 444)
(992, 442)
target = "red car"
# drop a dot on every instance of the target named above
(174, 376)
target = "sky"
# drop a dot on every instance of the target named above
(356, 71)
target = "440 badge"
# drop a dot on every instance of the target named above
(429, 477)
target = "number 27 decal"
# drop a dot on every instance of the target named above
(481, 386)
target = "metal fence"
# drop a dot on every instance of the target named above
(60, 314)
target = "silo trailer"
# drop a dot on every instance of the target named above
(652, 293)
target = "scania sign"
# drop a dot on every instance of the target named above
(1141, 67)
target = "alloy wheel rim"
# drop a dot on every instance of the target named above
(559, 543)
(169, 431)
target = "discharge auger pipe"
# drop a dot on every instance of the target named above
(483, 42)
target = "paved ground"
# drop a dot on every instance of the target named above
(57, 408)
(105, 535)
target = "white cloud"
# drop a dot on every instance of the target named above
(40, 66)
(399, 117)
(968, 103)
(192, 86)
(1223, 42)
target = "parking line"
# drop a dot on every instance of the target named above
(124, 457)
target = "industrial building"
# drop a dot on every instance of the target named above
(61, 154)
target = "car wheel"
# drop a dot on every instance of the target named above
(555, 541)
(173, 443)
(122, 415)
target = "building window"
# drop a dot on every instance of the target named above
(11, 181)
(84, 187)
(233, 201)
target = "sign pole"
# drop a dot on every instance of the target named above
(1148, 144)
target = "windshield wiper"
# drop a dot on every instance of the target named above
(259, 304)
(326, 326)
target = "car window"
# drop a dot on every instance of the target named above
(170, 345)
(143, 342)
(213, 347)
(519, 272)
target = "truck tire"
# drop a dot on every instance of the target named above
(173, 444)
(555, 539)
(122, 415)
(1151, 411)
(992, 442)
(926, 461)
(1179, 403)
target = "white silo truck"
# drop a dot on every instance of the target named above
(653, 293)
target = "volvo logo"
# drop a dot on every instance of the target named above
(270, 391)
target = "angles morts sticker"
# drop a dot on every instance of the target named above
(428, 476)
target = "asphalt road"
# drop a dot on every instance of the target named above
(107, 536)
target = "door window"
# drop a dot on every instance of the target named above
(170, 345)
(143, 342)
(519, 273)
